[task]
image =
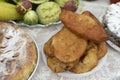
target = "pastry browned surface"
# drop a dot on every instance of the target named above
(67, 46)
(84, 24)
(58, 66)
(21, 50)
(102, 49)
(88, 61)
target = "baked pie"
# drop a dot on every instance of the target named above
(18, 55)
(112, 22)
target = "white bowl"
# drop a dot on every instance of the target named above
(113, 45)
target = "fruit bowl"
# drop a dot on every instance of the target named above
(21, 23)
(47, 11)
(37, 25)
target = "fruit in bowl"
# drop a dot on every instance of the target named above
(68, 4)
(31, 17)
(48, 12)
(11, 15)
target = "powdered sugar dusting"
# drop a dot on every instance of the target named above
(12, 49)
(112, 19)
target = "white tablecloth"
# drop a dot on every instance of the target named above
(110, 69)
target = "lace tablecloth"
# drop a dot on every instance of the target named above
(110, 69)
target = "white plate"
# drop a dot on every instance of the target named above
(113, 45)
(111, 39)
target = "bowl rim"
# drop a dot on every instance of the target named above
(114, 46)
(35, 25)
(37, 61)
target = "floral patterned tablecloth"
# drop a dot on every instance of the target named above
(110, 70)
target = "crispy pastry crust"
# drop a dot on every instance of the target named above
(66, 46)
(84, 24)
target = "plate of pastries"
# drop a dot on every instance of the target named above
(18, 53)
(79, 48)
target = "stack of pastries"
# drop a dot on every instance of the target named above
(78, 46)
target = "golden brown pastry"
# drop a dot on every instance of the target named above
(18, 53)
(58, 66)
(67, 46)
(102, 49)
(88, 61)
(84, 24)
(48, 49)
